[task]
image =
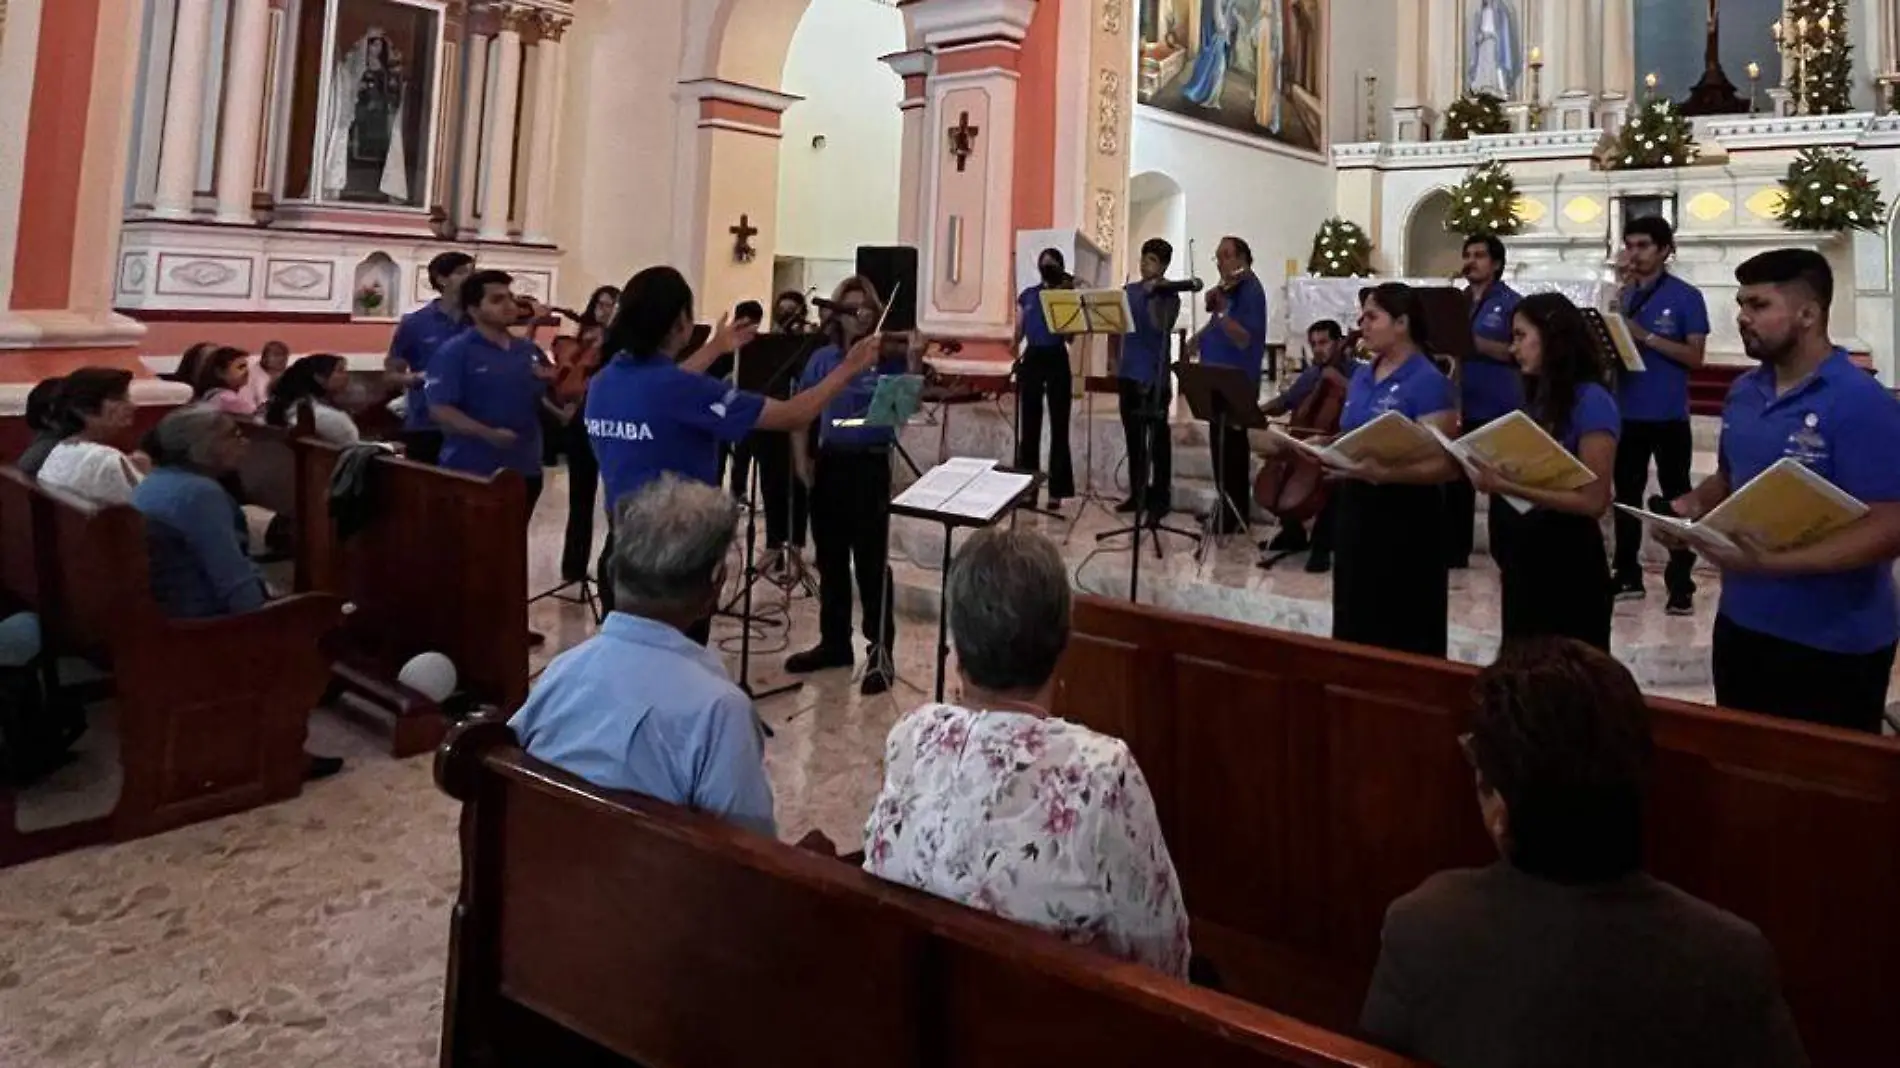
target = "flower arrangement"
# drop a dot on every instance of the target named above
(1484, 203)
(1473, 114)
(1341, 249)
(1655, 135)
(370, 298)
(1830, 189)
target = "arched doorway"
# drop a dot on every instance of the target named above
(1157, 207)
(1430, 250)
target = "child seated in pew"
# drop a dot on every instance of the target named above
(224, 383)
(641, 706)
(1565, 953)
(1000, 806)
(94, 411)
(194, 529)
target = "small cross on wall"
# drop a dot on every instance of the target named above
(963, 140)
(742, 235)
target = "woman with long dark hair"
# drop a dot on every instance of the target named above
(1556, 572)
(314, 382)
(92, 415)
(570, 438)
(1389, 576)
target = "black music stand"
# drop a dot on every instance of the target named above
(1154, 419)
(766, 361)
(951, 522)
(1221, 397)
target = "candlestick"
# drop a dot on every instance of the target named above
(1537, 56)
(1754, 79)
(1649, 81)
(1372, 106)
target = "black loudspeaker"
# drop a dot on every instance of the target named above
(893, 268)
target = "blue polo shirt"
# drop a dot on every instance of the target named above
(1669, 308)
(1035, 326)
(1145, 350)
(494, 386)
(851, 403)
(1842, 425)
(642, 707)
(418, 336)
(1246, 305)
(1490, 388)
(1414, 389)
(1594, 412)
(646, 416)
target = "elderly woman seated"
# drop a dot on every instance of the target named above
(997, 804)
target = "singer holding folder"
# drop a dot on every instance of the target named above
(850, 482)
(1806, 633)
(1389, 573)
(1556, 572)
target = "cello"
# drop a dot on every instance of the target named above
(1292, 485)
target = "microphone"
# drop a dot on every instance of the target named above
(1184, 285)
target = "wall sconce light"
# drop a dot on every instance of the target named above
(818, 141)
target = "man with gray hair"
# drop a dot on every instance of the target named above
(195, 531)
(642, 706)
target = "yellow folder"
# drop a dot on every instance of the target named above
(1784, 507)
(1525, 453)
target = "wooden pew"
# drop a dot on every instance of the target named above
(596, 928)
(1303, 784)
(212, 713)
(441, 566)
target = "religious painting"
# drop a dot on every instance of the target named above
(1257, 67)
(367, 73)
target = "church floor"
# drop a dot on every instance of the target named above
(315, 932)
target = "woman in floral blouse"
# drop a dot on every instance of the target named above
(1000, 806)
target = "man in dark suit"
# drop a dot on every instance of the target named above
(1565, 953)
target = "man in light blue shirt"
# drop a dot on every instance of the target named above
(641, 706)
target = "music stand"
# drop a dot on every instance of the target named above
(951, 522)
(1222, 397)
(1087, 313)
(765, 362)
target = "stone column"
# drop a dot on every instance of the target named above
(1444, 71)
(1411, 114)
(243, 118)
(469, 166)
(1619, 61)
(504, 100)
(1575, 104)
(914, 68)
(731, 131)
(184, 110)
(543, 138)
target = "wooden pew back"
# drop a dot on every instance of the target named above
(1304, 784)
(441, 566)
(593, 923)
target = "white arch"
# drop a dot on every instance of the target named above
(1157, 207)
(1402, 261)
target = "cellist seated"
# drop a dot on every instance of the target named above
(1314, 416)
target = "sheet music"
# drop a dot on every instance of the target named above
(935, 488)
(967, 487)
(988, 494)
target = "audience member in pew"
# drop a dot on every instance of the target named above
(1565, 952)
(186, 373)
(1807, 633)
(194, 529)
(272, 361)
(999, 805)
(94, 411)
(314, 382)
(1556, 574)
(1389, 582)
(224, 382)
(42, 418)
(485, 387)
(643, 705)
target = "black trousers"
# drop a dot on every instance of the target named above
(1461, 513)
(583, 490)
(1671, 444)
(1044, 380)
(422, 446)
(1233, 470)
(1556, 575)
(787, 510)
(1756, 672)
(1144, 410)
(1389, 583)
(851, 526)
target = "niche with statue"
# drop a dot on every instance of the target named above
(375, 292)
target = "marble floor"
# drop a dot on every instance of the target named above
(314, 932)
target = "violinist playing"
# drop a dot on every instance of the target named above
(1335, 360)
(1235, 336)
(1141, 359)
(576, 359)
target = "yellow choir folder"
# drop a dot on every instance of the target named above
(1784, 507)
(1516, 447)
(1389, 439)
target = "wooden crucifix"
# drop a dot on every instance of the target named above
(963, 140)
(742, 235)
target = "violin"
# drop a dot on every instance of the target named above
(576, 359)
(1292, 485)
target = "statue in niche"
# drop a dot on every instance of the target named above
(366, 155)
(1491, 62)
